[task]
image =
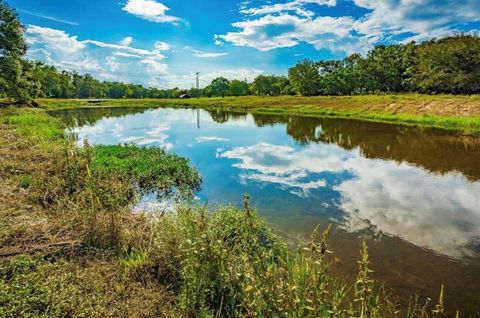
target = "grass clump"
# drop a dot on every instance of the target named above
(230, 264)
(153, 169)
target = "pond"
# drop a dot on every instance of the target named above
(413, 193)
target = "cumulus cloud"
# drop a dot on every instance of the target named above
(292, 23)
(105, 60)
(323, 32)
(150, 10)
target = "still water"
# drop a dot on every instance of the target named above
(413, 193)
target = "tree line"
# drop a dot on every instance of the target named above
(448, 65)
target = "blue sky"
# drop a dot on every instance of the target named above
(162, 43)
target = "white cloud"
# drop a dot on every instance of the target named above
(105, 61)
(126, 55)
(208, 54)
(53, 39)
(150, 10)
(162, 46)
(296, 6)
(126, 41)
(323, 32)
(154, 67)
(291, 24)
(203, 54)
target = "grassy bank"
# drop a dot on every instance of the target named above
(457, 113)
(69, 246)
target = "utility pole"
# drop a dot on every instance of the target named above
(198, 96)
(198, 81)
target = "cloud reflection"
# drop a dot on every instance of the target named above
(438, 212)
(285, 166)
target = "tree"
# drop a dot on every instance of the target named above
(270, 85)
(238, 88)
(14, 81)
(450, 65)
(220, 86)
(305, 78)
(387, 67)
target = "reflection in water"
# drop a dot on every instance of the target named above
(435, 150)
(439, 213)
(415, 190)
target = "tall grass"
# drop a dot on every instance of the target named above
(229, 263)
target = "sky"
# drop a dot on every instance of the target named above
(163, 43)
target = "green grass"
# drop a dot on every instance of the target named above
(452, 112)
(35, 125)
(30, 288)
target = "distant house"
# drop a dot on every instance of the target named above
(185, 96)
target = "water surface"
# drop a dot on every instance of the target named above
(413, 193)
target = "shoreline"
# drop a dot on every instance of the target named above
(459, 114)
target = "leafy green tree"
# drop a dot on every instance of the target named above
(270, 85)
(14, 79)
(387, 67)
(238, 88)
(450, 65)
(305, 78)
(220, 87)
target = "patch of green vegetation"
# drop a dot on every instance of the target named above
(30, 288)
(83, 286)
(26, 181)
(153, 169)
(35, 125)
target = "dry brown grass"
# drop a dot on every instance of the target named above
(26, 226)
